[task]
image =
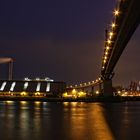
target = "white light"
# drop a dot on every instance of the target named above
(26, 79)
(12, 86)
(48, 87)
(38, 87)
(3, 86)
(37, 79)
(25, 85)
(48, 79)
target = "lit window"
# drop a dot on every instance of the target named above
(48, 87)
(38, 87)
(12, 86)
(25, 85)
(3, 86)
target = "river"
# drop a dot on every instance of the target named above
(69, 121)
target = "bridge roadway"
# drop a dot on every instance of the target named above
(126, 21)
(127, 24)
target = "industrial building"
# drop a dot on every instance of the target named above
(28, 87)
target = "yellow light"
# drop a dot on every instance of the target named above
(74, 91)
(37, 103)
(113, 25)
(97, 92)
(23, 102)
(110, 35)
(107, 47)
(97, 80)
(106, 53)
(119, 92)
(116, 12)
(23, 93)
(9, 102)
(105, 57)
(104, 61)
(109, 41)
(103, 67)
(37, 94)
(81, 94)
(64, 94)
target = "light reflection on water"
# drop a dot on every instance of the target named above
(88, 122)
(69, 121)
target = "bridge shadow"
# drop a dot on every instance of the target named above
(123, 119)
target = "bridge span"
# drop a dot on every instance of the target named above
(126, 19)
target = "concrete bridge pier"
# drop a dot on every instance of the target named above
(100, 87)
(107, 88)
(92, 90)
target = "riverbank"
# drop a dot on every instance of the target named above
(56, 99)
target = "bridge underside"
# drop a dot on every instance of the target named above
(127, 25)
(107, 88)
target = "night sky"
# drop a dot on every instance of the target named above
(62, 39)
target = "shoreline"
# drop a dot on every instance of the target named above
(56, 99)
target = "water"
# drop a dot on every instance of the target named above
(69, 121)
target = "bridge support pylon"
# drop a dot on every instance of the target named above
(107, 88)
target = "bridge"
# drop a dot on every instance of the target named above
(125, 21)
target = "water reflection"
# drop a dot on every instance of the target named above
(87, 122)
(69, 121)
